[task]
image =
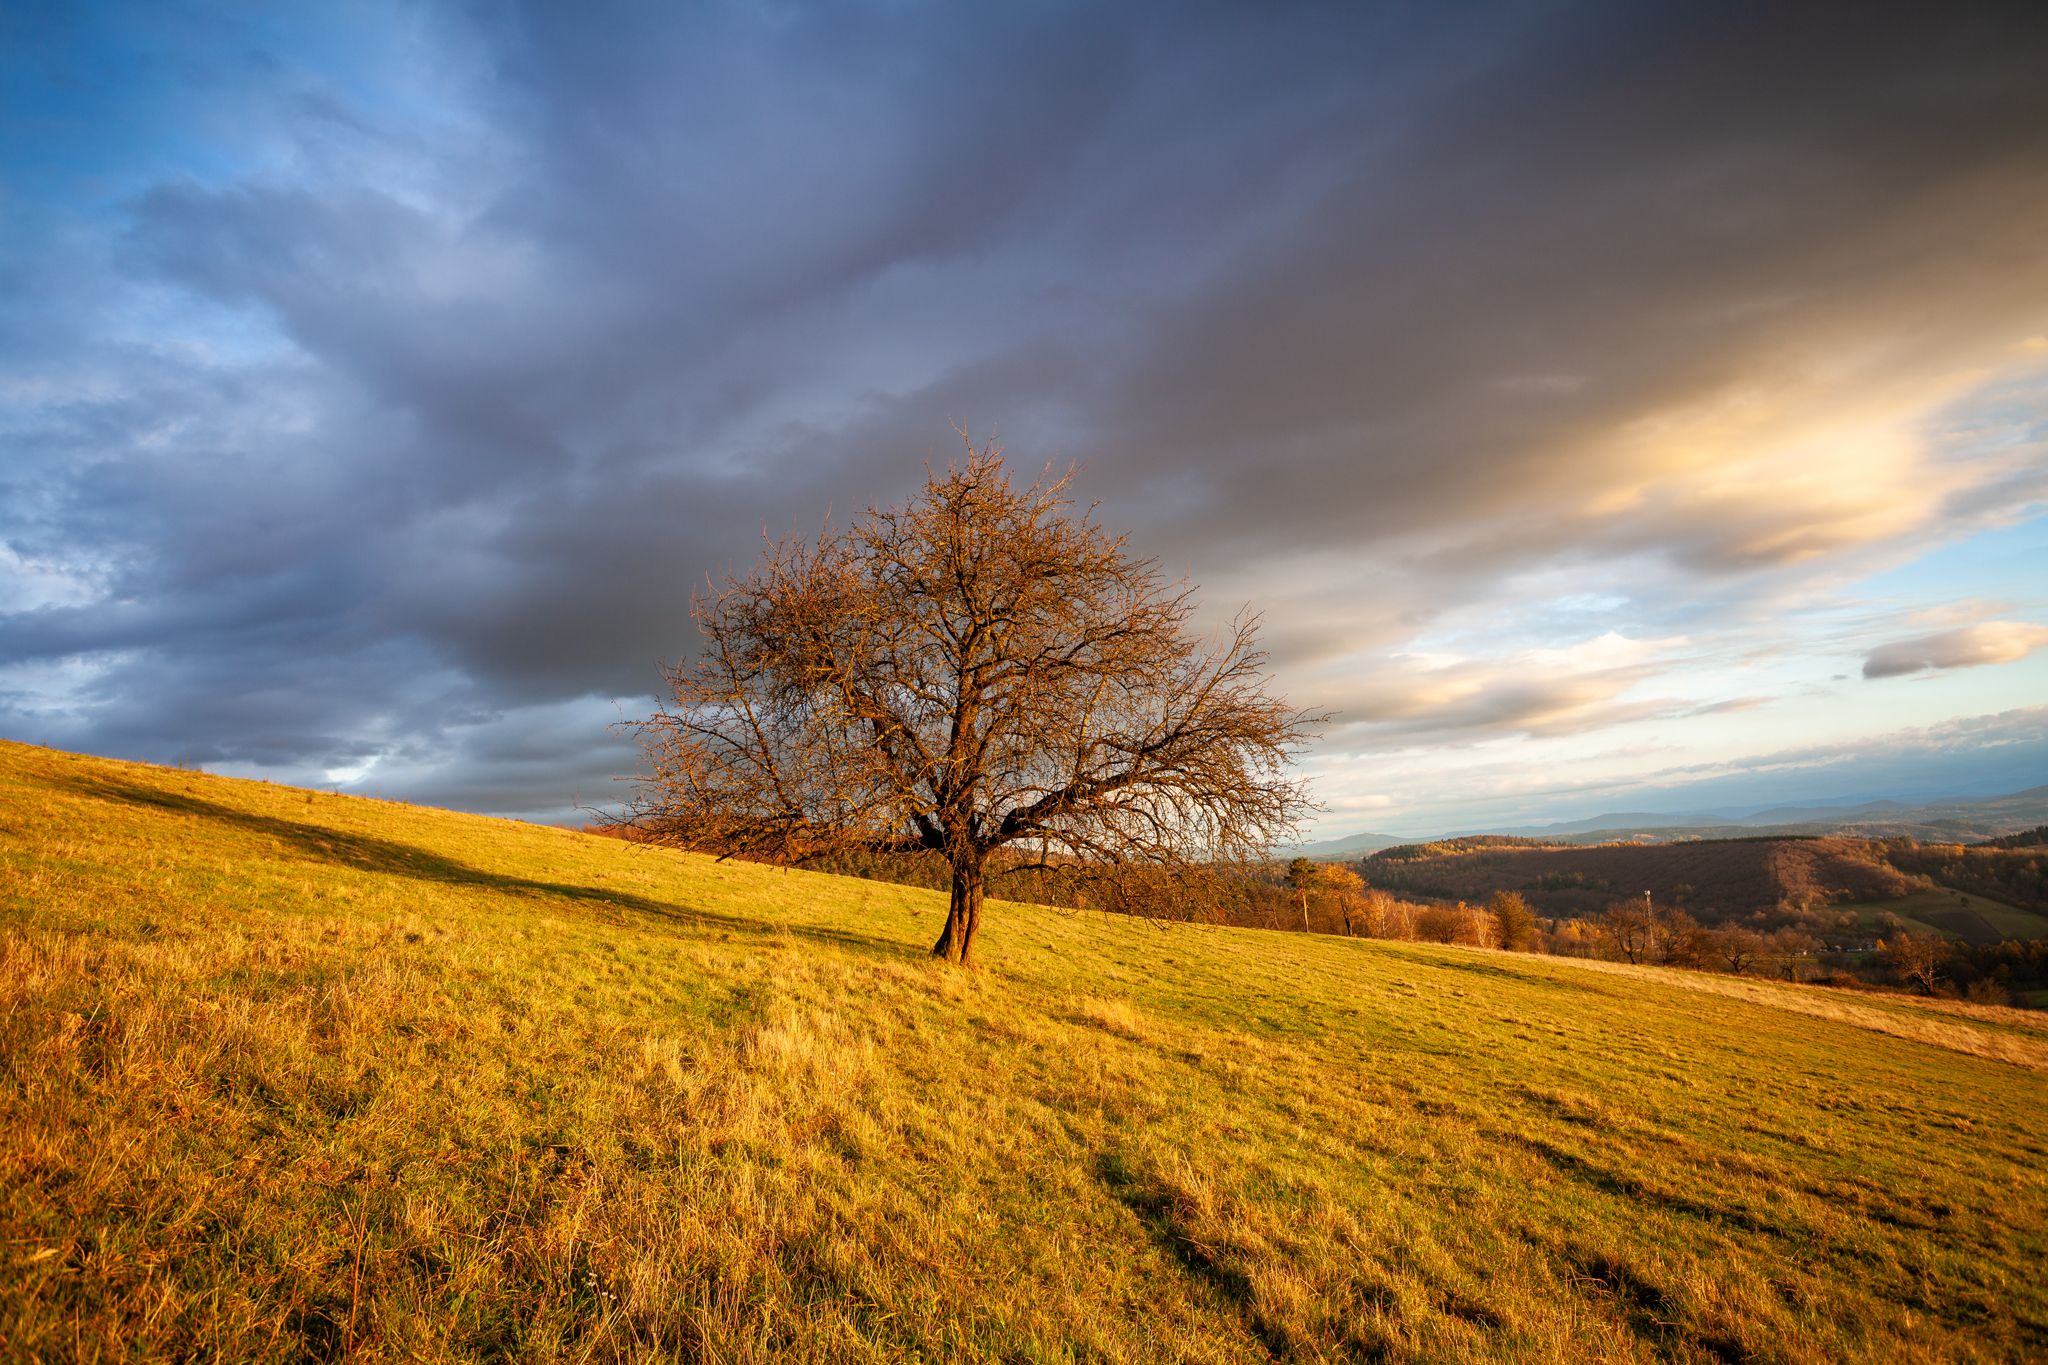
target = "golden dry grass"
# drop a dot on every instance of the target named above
(293, 1076)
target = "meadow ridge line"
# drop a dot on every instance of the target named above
(1823, 1002)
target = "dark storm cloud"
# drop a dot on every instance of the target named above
(1613, 219)
(404, 419)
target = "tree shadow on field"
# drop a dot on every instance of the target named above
(1172, 1230)
(1481, 967)
(390, 858)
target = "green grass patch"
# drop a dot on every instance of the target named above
(289, 1075)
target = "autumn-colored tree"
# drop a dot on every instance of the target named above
(1736, 947)
(1383, 916)
(1574, 937)
(1794, 950)
(1514, 923)
(1917, 958)
(978, 669)
(1440, 924)
(1340, 886)
(1632, 930)
(1681, 940)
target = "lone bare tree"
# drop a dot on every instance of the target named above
(980, 668)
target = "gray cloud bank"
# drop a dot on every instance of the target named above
(390, 435)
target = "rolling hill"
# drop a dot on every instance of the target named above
(295, 1076)
(1814, 880)
(1350, 846)
(1714, 879)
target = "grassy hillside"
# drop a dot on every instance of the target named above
(294, 1076)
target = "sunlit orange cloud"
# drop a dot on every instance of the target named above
(1537, 692)
(1988, 642)
(1761, 476)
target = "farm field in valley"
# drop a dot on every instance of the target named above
(1973, 918)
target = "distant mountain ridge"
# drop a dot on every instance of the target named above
(1352, 845)
(1950, 820)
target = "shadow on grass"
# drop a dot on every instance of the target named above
(1652, 1312)
(1644, 1193)
(391, 858)
(1169, 1225)
(1482, 967)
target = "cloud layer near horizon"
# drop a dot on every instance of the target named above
(376, 396)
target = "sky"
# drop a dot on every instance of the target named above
(1608, 407)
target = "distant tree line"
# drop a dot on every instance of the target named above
(1335, 898)
(1640, 931)
(1406, 853)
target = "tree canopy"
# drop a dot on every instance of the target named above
(978, 669)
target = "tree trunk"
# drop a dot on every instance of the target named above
(963, 916)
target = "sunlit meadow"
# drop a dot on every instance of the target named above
(296, 1076)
